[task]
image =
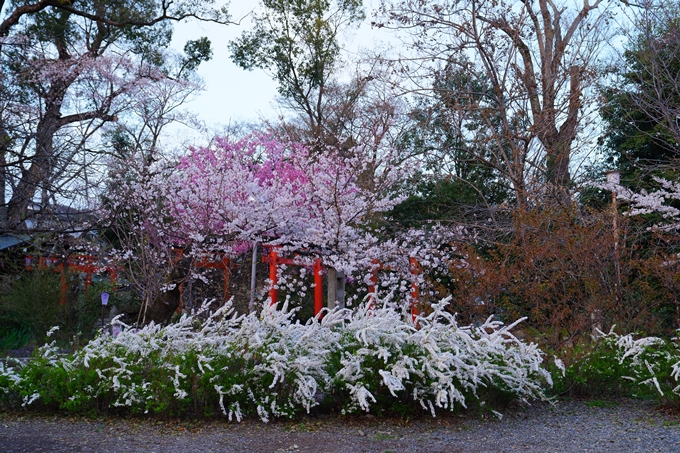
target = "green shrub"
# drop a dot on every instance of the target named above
(272, 366)
(620, 365)
(32, 306)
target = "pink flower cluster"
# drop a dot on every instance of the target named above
(258, 188)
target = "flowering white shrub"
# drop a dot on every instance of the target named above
(271, 366)
(623, 365)
(9, 380)
(651, 362)
(436, 364)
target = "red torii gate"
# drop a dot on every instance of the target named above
(86, 264)
(274, 260)
(224, 263)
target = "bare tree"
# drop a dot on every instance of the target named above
(521, 70)
(642, 101)
(145, 13)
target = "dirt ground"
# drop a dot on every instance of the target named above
(567, 426)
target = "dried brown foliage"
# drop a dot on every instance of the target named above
(561, 270)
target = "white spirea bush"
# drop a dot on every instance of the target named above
(272, 366)
(650, 363)
(436, 364)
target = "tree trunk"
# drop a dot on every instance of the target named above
(42, 163)
(5, 143)
(37, 173)
(557, 143)
(557, 162)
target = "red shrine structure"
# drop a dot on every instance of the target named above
(275, 260)
(89, 265)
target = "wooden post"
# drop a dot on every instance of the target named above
(332, 281)
(614, 178)
(226, 276)
(336, 288)
(63, 290)
(253, 277)
(617, 259)
(340, 289)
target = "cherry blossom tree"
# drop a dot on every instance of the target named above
(70, 70)
(261, 189)
(221, 199)
(662, 201)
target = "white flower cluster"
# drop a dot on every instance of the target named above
(9, 379)
(272, 366)
(657, 201)
(653, 362)
(438, 363)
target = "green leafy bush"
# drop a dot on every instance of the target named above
(273, 366)
(620, 365)
(14, 337)
(32, 306)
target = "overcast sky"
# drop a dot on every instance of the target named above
(233, 94)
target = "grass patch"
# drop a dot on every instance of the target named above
(15, 338)
(385, 435)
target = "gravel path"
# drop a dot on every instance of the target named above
(568, 426)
